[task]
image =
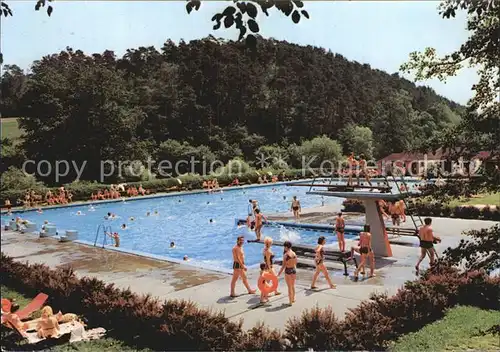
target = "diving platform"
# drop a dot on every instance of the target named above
(343, 187)
(361, 195)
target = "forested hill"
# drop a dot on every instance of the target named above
(213, 93)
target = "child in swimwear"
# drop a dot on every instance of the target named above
(263, 296)
(116, 237)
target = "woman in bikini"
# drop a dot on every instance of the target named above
(259, 223)
(296, 208)
(269, 258)
(320, 264)
(365, 249)
(289, 266)
(339, 228)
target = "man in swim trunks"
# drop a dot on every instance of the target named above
(339, 228)
(365, 249)
(295, 208)
(259, 223)
(395, 212)
(427, 240)
(352, 166)
(239, 268)
(363, 170)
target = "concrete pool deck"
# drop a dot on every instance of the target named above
(210, 289)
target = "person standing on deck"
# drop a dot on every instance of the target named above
(289, 266)
(339, 228)
(239, 267)
(395, 212)
(269, 259)
(427, 240)
(320, 264)
(295, 208)
(259, 223)
(365, 250)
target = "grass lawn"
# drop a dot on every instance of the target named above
(10, 128)
(488, 198)
(459, 330)
(104, 344)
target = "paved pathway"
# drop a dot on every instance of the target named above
(210, 289)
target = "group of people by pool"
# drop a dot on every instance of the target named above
(289, 262)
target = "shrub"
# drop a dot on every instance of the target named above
(353, 206)
(317, 328)
(480, 251)
(262, 338)
(143, 321)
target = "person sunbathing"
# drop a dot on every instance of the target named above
(13, 319)
(47, 326)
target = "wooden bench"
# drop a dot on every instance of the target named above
(308, 251)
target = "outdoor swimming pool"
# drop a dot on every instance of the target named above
(184, 219)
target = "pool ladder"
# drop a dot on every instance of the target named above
(104, 230)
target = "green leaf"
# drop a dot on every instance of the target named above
(242, 6)
(298, 3)
(228, 21)
(254, 27)
(251, 41)
(217, 26)
(229, 11)
(243, 31)
(251, 10)
(38, 5)
(217, 17)
(305, 14)
(49, 10)
(197, 4)
(189, 7)
(295, 16)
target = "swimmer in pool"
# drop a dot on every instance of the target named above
(186, 258)
(208, 202)
(148, 213)
(124, 226)
(132, 218)
(79, 213)
(172, 245)
(156, 212)
(39, 211)
(116, 237)
(91, 208)
(211, 220)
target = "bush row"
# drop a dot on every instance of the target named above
(353, 206)
(179, 325)
(436, 210)
(83, 190)
(461, 211)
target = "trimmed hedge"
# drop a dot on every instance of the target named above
(179, 325)
(436, 210)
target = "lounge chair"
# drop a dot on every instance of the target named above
(33, 306)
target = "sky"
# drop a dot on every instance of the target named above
(381, 34)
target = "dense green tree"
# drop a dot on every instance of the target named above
(358, 139)
(212, 93)
(479, 129)
(13, 86)
(321, 152)
(78, 108)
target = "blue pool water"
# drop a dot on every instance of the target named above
(184, 219)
